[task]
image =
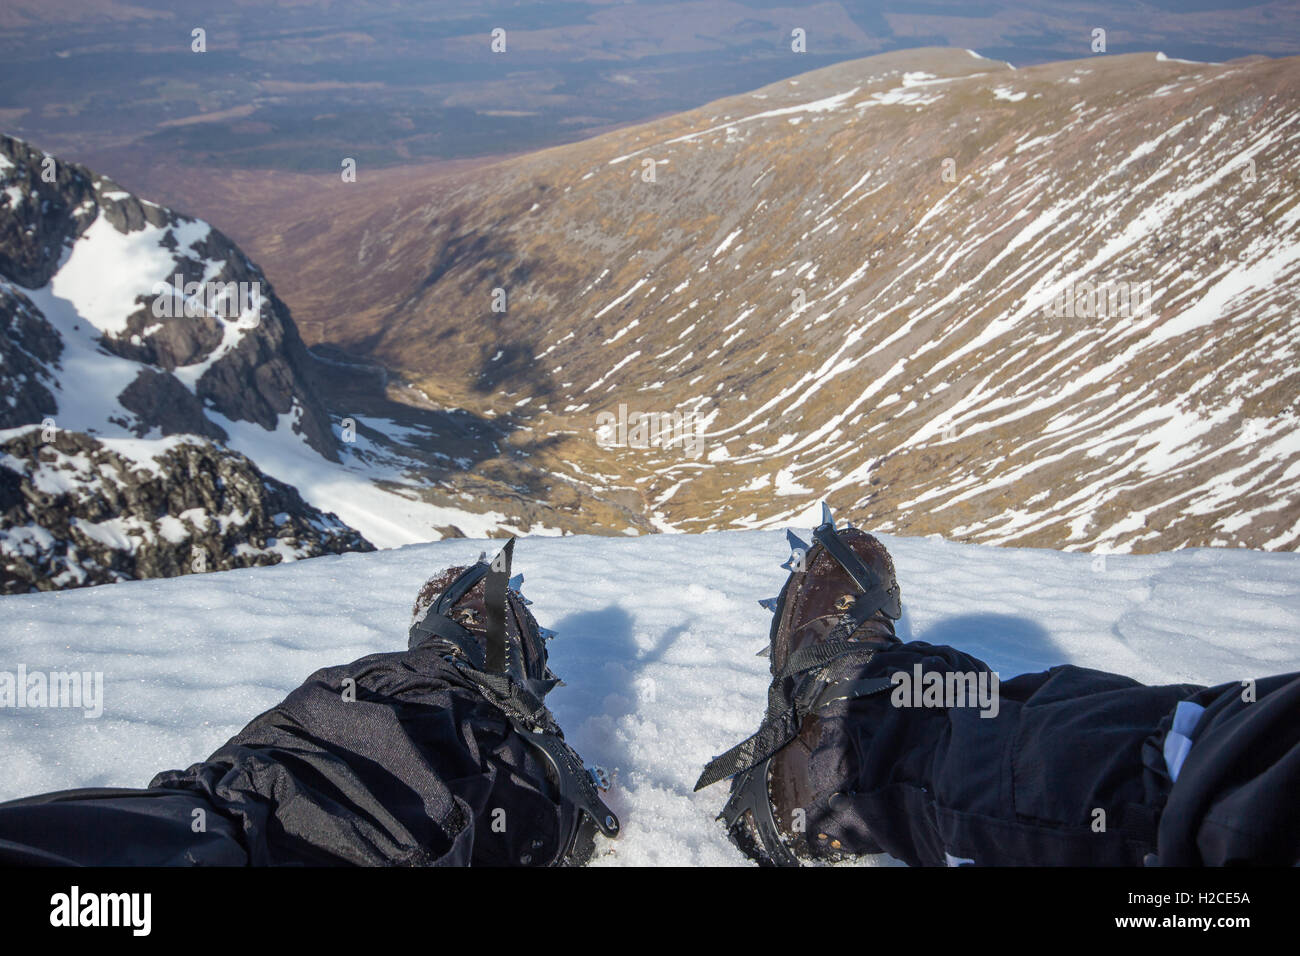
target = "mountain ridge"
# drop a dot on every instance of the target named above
(132, 340)
(935, 294)
(857, 284)
(125, 324)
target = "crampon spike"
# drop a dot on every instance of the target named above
(827, 517)
(502, 559)
(768, 604)
(516, 582)
(796, 543)
(494, 599)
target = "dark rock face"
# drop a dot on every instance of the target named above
(264, 375)
(159, 399)
(28, 348)
(34, 231)
(74, 513)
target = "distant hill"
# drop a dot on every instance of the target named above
(118, 84)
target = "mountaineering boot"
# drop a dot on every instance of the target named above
(459, 594)
(837, 607)
(818, 598)
(480, 618)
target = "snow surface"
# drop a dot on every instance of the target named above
(657, 641)
(387, 518)
(106, 270)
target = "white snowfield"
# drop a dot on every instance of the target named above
(657, 641)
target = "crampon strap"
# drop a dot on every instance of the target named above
(535, 724)
(494, 600)
(752, 758)
(528, 714)
(874, 591)
(786, 707)
(437, 623)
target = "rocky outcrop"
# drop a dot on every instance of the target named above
(113, 359)
(164, 403)
(75, 511)
(254, 367)
(29, 347)
(39, 216)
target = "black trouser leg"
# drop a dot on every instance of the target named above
(394, 759)
(1066, 770)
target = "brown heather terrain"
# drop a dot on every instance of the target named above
(921, 387)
